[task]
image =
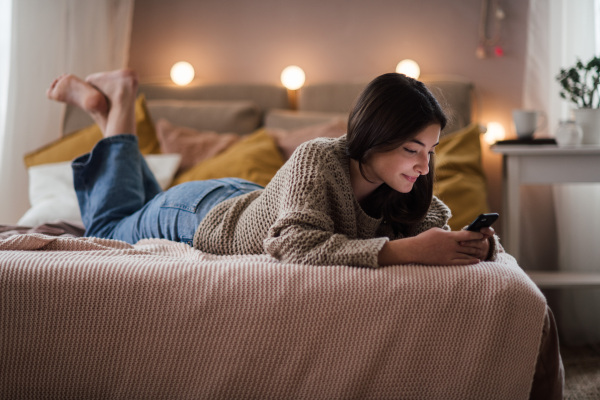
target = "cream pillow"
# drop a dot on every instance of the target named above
(52, 195)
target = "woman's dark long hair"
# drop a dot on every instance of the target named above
(390, 111)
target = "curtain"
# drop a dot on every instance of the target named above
(5, 37)
(559, 32)
(48, 38)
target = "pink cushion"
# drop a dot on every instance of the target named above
(193, 145)
(288, 140)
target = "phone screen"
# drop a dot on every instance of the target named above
(482, 221)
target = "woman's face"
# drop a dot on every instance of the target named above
(399, 168)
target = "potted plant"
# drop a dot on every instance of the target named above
(580, 85)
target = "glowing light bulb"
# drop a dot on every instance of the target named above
(182, 73)
(409, 68)
(495, 132)
(293, 77)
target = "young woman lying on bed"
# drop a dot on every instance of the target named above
(364, 199)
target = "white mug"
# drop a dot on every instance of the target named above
(526, 122)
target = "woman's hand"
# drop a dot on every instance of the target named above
(480, 247)
(437, 247)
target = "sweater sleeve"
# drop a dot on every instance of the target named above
(316, 222)
(305, 238)
(438, 216)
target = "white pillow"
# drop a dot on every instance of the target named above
(52, 195)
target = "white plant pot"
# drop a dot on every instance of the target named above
(589, 121)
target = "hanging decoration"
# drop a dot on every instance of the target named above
(490, 27)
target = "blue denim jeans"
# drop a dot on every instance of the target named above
(119, 197)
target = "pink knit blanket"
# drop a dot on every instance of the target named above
(85, 317)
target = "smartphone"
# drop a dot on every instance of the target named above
(482, 221)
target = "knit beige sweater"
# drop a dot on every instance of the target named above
(307, 214)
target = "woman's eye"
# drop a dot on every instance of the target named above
(410, 151)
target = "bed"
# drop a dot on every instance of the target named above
(90, 317)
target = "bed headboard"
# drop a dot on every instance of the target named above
(259, 96)
(322, 102)
(453, 93)
(265, 96)
(253, 105)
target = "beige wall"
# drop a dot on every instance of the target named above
(334, 40)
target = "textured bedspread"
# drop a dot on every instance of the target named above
(94, 318)
(59, 228)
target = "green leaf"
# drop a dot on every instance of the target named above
(581, 82)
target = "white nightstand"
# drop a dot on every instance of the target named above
(544, 164)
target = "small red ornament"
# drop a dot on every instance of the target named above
(499, 51)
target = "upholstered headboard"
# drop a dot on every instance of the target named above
(327, 100)
(246, 106)
(226, 100)
(318, 103)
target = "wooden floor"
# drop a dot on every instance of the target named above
(582, 372)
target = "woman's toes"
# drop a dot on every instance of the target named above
(72, 90)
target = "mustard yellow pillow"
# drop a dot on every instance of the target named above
(255, 158)
(460, 180)
(82, 141)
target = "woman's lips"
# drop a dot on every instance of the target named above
(411, 179)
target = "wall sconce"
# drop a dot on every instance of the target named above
(182, 73)
(409, 68)
(494, 132)
(293, 78)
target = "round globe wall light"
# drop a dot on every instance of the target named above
(182, 73)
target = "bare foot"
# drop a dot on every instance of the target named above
(120, 87)
(72, 90)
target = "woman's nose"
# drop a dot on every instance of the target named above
(422, 167)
